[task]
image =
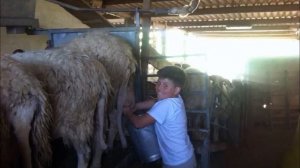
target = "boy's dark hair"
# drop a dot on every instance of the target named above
(18, 51)
(174, 73)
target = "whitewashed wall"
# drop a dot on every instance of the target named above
(50, 16)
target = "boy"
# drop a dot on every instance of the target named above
(169, 118)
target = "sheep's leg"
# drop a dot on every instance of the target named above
(115, 118)
(120, 128)
(83, 155)
(112, 129)
(121, 99)
(99, 143)
(23, 137)
(82, 161)
(126, 96)
(22, 129)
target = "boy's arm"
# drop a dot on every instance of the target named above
(147, 104)
(138, 121)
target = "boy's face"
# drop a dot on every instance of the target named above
(165, 88)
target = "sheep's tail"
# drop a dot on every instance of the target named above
(40, 134)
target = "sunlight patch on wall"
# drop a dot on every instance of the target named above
(227, 57)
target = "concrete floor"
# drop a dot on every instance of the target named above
(260, 147)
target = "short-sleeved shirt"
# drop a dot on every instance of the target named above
(171, 130)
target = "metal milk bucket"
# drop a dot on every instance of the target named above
(145, 143)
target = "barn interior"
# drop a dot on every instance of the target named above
(247, 49)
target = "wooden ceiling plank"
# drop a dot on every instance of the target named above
(245, 9)
(86, 16)
(234, 22)
(118, 2)
(262, 28)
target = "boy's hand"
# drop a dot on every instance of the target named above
(128, 109)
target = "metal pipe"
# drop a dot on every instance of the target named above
(182, 12)
(185, 10)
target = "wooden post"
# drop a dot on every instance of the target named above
(286, 100)
(146, 23)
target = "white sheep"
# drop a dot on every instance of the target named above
(117, 57)
(78, 87)
(25, 118)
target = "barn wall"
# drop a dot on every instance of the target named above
(10, 42)
(50, 16)
(53, 16)
(274, 82)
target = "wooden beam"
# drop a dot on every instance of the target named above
(247, 9)
(277, 31)
(243, 9)
(234, 22)
(146, 23)
(253, 29)
(118, 2)
(289, 35)
(90, 18)
(96, 3)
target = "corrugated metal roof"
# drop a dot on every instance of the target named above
(236, 7)
(260, 14)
